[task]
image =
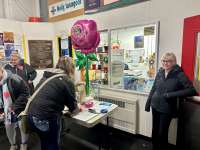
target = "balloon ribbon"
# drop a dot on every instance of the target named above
(87, 86)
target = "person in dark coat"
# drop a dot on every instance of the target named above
(24, 70)
(46, 108)
(170, 84)
(13, 98)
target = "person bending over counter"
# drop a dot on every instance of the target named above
(46, 108)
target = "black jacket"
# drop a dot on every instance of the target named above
(18, 92)
(165, 91)
(28, 73)
(51, 99)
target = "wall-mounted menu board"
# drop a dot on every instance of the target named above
(40, 52)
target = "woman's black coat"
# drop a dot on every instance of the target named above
(166, 90)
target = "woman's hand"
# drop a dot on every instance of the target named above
(80, 83)
(80, 86)
(75, 112)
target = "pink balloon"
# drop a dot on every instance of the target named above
(85, 36)
(77, 34)
(86, 51)
(97, 40)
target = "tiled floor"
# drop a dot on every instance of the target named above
(82, 138)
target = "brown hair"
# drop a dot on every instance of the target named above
(66, 64)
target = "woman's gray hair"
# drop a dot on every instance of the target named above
(169, 55)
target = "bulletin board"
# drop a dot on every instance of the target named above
(41, 53)
(10, 41)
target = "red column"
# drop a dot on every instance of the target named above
(190, 31)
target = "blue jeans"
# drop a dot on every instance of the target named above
(47, 130)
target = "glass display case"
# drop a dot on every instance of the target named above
(127, 58)
(137, 53)
(99, 69)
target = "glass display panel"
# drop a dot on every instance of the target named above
(134, 48)
(99, 69)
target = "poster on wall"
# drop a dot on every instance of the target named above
(91, 5)
(149, 31)
(1, 39)
(139, 42)
(18, 47)
(8, 47)
(64, 47)
(2, 52)
(41, 54)
(8, 37)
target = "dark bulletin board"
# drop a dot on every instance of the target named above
(41, 54)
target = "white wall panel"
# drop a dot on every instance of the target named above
(10, 25)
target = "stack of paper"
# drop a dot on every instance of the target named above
(85, 115)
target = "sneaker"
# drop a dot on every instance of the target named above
(13, 147)
(23, 147)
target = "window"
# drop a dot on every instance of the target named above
(133, 57)
(127, 58)
(99, 69)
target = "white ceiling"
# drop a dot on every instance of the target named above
(19, 10)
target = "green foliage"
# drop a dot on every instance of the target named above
(82, 58)
(105, 59)
(84, 61)
(92, 57)
(81, 64)
(89, 63)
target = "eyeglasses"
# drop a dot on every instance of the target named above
(166, 61)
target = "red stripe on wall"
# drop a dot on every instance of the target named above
(190, 31)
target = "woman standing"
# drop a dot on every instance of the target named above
(170, 84)
(46, 107)
(22, 69)
(13, 98)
